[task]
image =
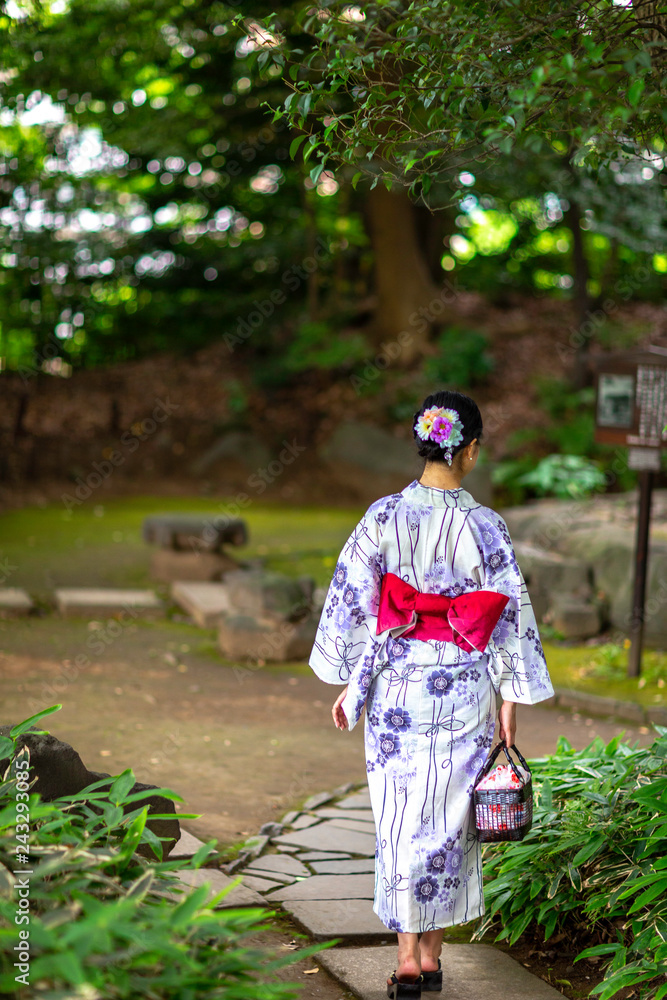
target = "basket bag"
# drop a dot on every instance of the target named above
(503, 813)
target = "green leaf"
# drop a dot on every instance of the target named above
(295, 143)
(635, 91)
(21, 728)
(121, 786)
(659, 889)
(316, 173)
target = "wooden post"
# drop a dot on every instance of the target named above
(641, 562)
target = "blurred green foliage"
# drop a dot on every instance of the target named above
(564, 476)
(148, 202)
(104, 921)
(462, 360)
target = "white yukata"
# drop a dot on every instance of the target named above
(430, 705)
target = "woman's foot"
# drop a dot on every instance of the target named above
(408, 970)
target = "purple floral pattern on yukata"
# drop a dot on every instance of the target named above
(430, 706)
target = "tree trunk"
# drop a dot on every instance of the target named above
(410, 304)
(582, 299)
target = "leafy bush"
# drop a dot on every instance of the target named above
(594, 866)
(462, 360)
(564, 476)
(104, 922)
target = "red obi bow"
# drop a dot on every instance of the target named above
(467, 620)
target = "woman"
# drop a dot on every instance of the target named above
(426, 620)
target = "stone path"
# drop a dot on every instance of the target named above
(15, 601)
(106, 601)
(318, 866)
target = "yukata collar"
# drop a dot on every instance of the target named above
(416, 492)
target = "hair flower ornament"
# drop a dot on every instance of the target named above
(443, 426)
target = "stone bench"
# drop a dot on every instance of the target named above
(190, 547)
(194, 532)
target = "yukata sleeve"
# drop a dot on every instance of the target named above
(518, 666)
(345, 642)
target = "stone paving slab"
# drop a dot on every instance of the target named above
(240, 896)
(470, 972)
(358, 825)
(280, 863)
(338, 918)
(318, 800)
(358, 815)
(206, 603)
(279, 879)
(303, 822)
(327, 887)
(15, 601)
(262, 885)
(326, 835)
(353, 866)
(186, 846)
(360, 800)
(82, 601)
(322, 856)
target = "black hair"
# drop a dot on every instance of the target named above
(467, 410)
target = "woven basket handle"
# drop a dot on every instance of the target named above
(494, 756)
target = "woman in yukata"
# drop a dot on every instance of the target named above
(426, 620)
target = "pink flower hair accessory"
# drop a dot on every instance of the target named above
(442, 425)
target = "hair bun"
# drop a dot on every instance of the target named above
(446, 424)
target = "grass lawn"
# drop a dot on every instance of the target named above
(101, 545)
(602, 670)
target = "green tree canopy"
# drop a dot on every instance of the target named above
(408, 88)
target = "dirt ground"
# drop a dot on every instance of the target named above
(242, 745)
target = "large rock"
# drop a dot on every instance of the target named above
(551, 576)
(376, 462)
(242, 637)
(264, 592)
(168, 566)
(234, 446)
(576, 620)
(600, 534)
(60, 771)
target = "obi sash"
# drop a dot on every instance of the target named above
(467, 620)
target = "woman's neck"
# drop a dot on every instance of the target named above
(440, 476)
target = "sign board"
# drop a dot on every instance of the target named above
(631, 401)
(631, 411)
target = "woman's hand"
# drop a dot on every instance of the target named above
(507, 722)
(339, 717)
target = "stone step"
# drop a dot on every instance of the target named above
(339, 918)
(109, 601)
(323, 888)
(205, 602)
(470, 972)
(186, 846)
(327, 836)
(14, 601)
(240, 895)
